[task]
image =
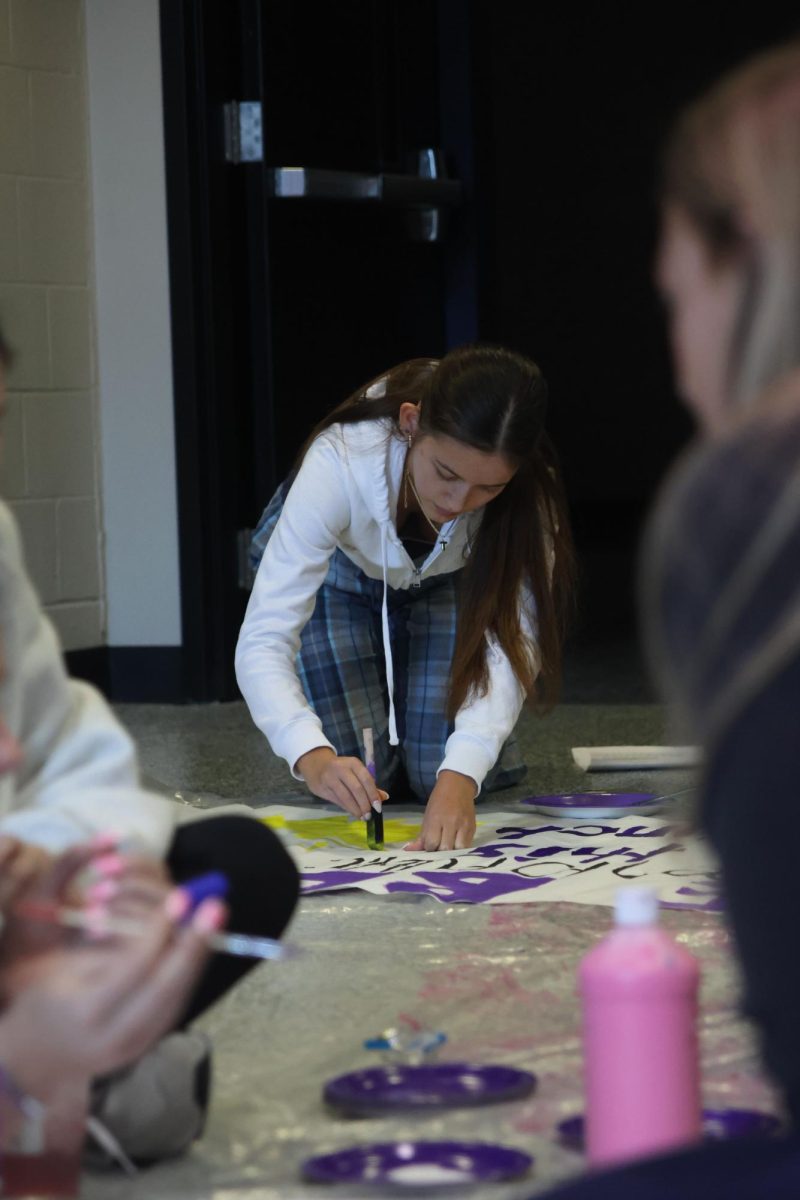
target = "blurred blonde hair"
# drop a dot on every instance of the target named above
(732, 165)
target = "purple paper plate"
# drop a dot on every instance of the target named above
(429, 1085)
(583, 805)
(719, 1125)
(404, 1165)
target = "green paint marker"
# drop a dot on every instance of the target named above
(375, 819)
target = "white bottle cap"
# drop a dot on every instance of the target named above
(636, 905)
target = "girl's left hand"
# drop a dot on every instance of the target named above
(449, 822)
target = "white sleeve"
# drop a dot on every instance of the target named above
(484, 723)
(79, 774)
(295, 562)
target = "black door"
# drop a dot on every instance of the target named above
(343, 245)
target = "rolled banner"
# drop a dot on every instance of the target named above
(635, 758)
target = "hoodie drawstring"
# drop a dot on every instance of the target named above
(387, 644)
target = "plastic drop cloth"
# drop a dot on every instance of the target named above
(500, 983)
(498, 980)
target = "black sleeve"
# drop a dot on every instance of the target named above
(264, 887)
(747, 1169)
(751, 813)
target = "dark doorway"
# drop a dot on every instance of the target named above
(284, 303)
(550, 117)
(574, 104)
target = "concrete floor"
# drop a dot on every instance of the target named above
(499, 982)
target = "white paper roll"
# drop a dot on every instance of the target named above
(634, 758)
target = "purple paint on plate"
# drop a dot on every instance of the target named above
(429, 1085)
(719, 1125)
(570, 1133)
(593, 804)
(419, 1164)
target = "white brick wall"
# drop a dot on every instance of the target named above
(49, 469)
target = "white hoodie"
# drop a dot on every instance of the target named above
(345, 496)
(79, 774)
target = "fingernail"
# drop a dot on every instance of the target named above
(383, 795)
(176, 904)
(376, 804)
(209, 916)
(98, 893)
(109, 864)
(105, 841)
(364, 816)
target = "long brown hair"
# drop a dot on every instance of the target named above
(495, 401)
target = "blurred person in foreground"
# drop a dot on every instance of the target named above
(721, 569)
(69, 773)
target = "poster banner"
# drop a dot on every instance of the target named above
(516, 858)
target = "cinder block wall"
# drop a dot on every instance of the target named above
(50, 463)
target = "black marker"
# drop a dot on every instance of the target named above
(375, 818)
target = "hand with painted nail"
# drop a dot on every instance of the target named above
(81, 1011)
(54, 882)
(343, 781)
(125, 885)
(449, 821)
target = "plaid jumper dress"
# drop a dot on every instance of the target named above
(341, 668)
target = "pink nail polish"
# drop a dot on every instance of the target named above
(109, 864)
(176, 904)
(209, 916)
(98, 893)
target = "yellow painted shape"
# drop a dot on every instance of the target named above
(344, 830)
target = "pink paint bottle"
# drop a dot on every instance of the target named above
(641, 1072)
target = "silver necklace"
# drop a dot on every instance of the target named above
(437, 529)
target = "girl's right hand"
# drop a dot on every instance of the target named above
(343, 781)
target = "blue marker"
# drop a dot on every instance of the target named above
(212, 884)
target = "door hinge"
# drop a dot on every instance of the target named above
(243, 134)
(246, 570)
